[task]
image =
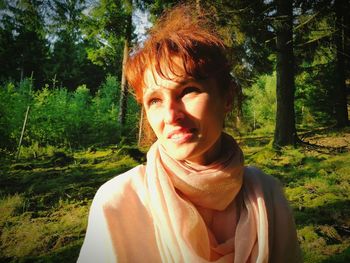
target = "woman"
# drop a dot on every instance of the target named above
(193, 201)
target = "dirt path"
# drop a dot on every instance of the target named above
(335, 140)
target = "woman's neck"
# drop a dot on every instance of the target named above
(209, 157)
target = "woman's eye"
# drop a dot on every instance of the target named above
(153, 101)
(189, 90)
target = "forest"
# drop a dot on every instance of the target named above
(69, 122)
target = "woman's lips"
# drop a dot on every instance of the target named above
(180, 135)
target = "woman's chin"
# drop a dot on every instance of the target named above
(194, 151)
(181, 152)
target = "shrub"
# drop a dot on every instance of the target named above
(61, 118)
(259, 108)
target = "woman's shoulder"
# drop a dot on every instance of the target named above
(255, 174)
(270, 186)
(283, 242)
(120, 187)
(125, 178)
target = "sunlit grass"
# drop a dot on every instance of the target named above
(44, 202)
(317, 186)
(10, 206)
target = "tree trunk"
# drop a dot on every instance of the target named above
(124, 88)
(139, 140)
(23, 129)
(341, 111)
(285, 131)
(198, 6)
(239, 96)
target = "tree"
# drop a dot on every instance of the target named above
(69, 60)
(23, 47)
(285, 130)
(322, 47)
(102, 27)
(127, 43)
(109, 26)
(341, 110)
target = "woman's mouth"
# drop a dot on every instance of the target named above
(181, 135)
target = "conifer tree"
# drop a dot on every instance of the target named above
(285, 130)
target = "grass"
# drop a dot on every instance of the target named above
(44, 202)
(316, 182)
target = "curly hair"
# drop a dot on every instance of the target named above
(185, 34)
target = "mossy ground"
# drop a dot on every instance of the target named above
(44, 202)
(316, 181)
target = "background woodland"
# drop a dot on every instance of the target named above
(64, 99)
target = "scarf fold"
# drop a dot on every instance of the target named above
(177, 194)
(213, 186)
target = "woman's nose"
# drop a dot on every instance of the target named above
(172, 113)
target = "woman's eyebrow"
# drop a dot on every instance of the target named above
(185, 82)
(149, 92)
(178, 84)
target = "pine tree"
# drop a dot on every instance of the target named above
(285, 131)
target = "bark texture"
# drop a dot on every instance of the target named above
(285, 131)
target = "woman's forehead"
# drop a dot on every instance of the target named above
(153, 81)
(166, 75)
(171, 67)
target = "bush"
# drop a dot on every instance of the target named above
(259, 108)
(62, 118)
(14, 101)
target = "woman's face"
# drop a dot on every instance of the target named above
(186, 115)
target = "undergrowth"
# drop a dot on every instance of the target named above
(45, 198)
(44, 202)
(317, 185)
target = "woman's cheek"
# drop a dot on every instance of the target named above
(198, 107)
(154, 118)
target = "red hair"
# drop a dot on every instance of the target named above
(191, 37)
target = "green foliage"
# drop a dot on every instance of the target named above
(65, 43)
(13, 105)
(61, 118)
(23, 49)
(43, 39)
(320, 73)
(259, 106)
(246, 30)
(259, 109)
(46, 124)
(105, 108)
(314, 91)
(36, 151)
(79, 114)
(105, 27)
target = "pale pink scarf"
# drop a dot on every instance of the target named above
(203, 214)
